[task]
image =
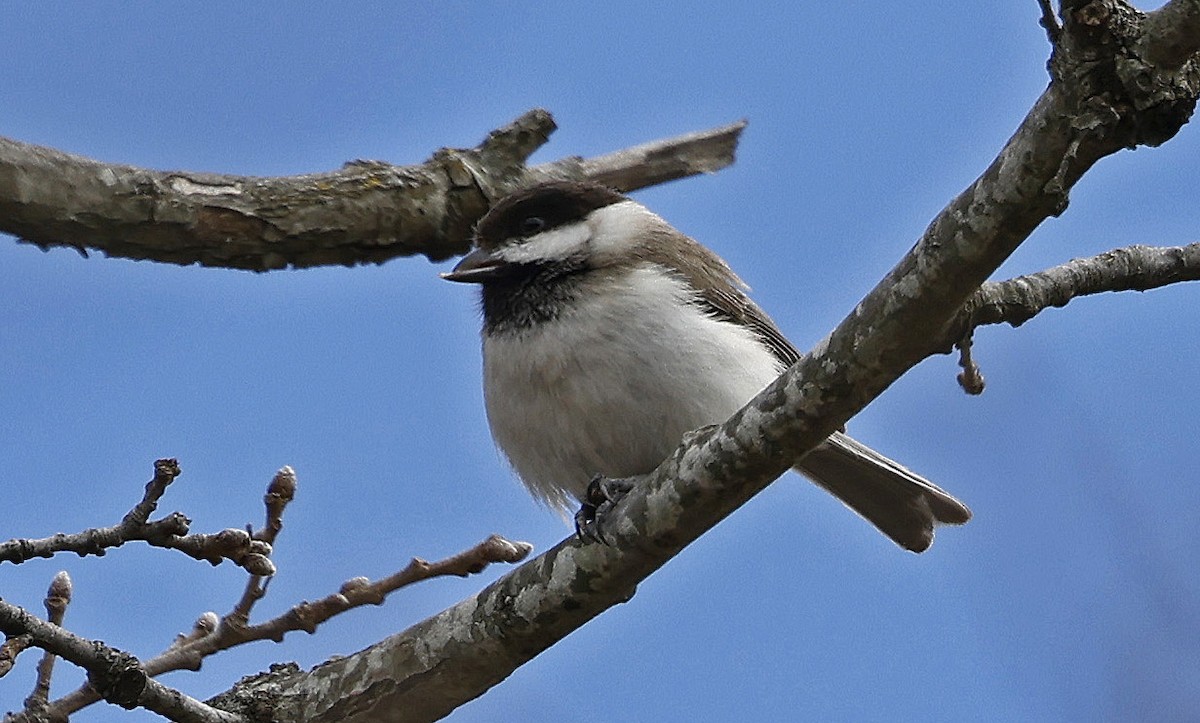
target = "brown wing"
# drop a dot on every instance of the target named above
(720, 290)
(733, 304)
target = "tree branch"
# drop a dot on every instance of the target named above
(171, 532)
(211, 635)
(118, 675)
(1133, 268)
(1088, 111)
(185, 652)
(356, 592)
(1016, 301)
(366, 212)
(58, 597)
(1169, 34)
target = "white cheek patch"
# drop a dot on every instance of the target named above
(554, 245)
(618, 227)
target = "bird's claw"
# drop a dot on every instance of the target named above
(602, 495)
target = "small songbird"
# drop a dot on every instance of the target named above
(608, 334)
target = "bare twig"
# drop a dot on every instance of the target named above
(1017, 300)
(117, 676)
(187, 652)
(970, 378)
(170, 532)
(361, 591)
(280, 492)
(13, 646)
(1132, 268)
(353, 593)
(204, 625)
(58, 597)
(211, 635)
(182, 653)
(365, 212)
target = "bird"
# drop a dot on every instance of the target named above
(608, 335)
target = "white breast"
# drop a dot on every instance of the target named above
(611, 386)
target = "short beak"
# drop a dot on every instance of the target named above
(477, 267)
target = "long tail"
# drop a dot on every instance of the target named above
(902, 504)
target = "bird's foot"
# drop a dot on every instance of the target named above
(603, 493)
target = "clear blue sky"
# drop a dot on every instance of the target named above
(1073, 594)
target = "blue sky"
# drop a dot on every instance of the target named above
(1072, 595)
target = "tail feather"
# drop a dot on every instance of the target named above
(901, 503)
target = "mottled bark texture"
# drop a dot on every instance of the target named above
(1133, 268)
(1119, 79)
(366, 212)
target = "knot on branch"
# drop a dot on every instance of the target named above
(118, 677)
(166, 470)
(1129, 94)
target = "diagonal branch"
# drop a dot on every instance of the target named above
(119, 675)
(356, 592)
(1086, 113)
(365, 212)
(211, 635)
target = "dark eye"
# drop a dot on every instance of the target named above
(532, 224)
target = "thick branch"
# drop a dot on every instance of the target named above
(1086, 113)
(1169, 34)
(366, 212)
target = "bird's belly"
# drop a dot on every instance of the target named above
(568, 401)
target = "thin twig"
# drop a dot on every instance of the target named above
(361, 591)
(171, 532)
(13, 646)
(353, 593)
(182, 653)
(204, 625)
(187, 652)
(118, 676)
(970, 378)
(280, 492)
(58, 597)
(1017, 300)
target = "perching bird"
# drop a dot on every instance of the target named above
(608, 334)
